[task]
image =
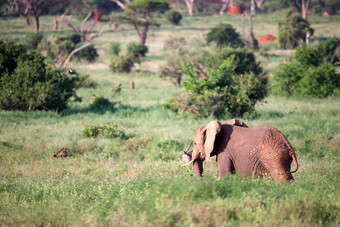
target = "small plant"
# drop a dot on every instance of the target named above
(121, 64)
(136, 50)
(109, 130)
(100, 103)
(224, 34)
(173, 17)
(115, 48)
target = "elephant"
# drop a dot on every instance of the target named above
(260, 150)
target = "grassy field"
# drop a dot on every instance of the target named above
(138, 180)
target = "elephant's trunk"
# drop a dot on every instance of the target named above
(198, 167)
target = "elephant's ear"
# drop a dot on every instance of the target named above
(236, 122)
(211, 131)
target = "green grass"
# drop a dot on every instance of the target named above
(137, 180)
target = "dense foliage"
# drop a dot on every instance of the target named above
(292, 30)
(105, 130)
(122, 64)
(115, 48)
(223, 93)
(173, 17)
(59, 47)
(306, 75)
(27, 83)
(327, 50)
(224, 34)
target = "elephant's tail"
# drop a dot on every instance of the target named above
(295, 162)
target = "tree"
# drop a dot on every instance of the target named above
(34, 8)
(224, 34)
(293, 29)
(86, 38)
(190, 6)
(140, 13)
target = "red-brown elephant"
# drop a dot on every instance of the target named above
(258, 150)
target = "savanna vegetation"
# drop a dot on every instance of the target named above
(120, 165)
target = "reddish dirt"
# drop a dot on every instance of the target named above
(267, 38)
(235, 10)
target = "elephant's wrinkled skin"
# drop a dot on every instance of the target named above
(258, 150)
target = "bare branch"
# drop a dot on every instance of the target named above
(88, 43)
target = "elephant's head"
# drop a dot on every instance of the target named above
(203, 145)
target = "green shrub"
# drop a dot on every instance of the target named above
(100, 103)
(121, 64)
(316, 10)
(27, 83)
(32, 40)
(173, 17)
(115, 48)
(223, 93)
(292, 30)
(136, 50)
(224, 34)
(61, 46)
(88, 53)
(244, 60)
(109, 130)
(327, 50)
(306, 75)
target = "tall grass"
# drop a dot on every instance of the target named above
(137, 180)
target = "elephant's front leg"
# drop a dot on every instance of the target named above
(198, 167)
(225, 165)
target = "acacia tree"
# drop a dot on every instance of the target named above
(34, 8)
(140, 14)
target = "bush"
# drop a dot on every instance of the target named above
(121, 64)
(223, 93)
(292, 30)
(244, 60)
(136, 51)
(62, 46)
(327, 50)
(224, 34)
(32, 40)
(115, 48)
(101, 103)
(88, 53)
(173, 17)
(306, 75)
(27, 83)
(105, 130)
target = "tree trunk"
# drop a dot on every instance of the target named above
(225, 4)
(26, 20)
(144, 33)
(190, 6)
(252, 8)
(305, 4)
(55, 23)
(36, 23)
